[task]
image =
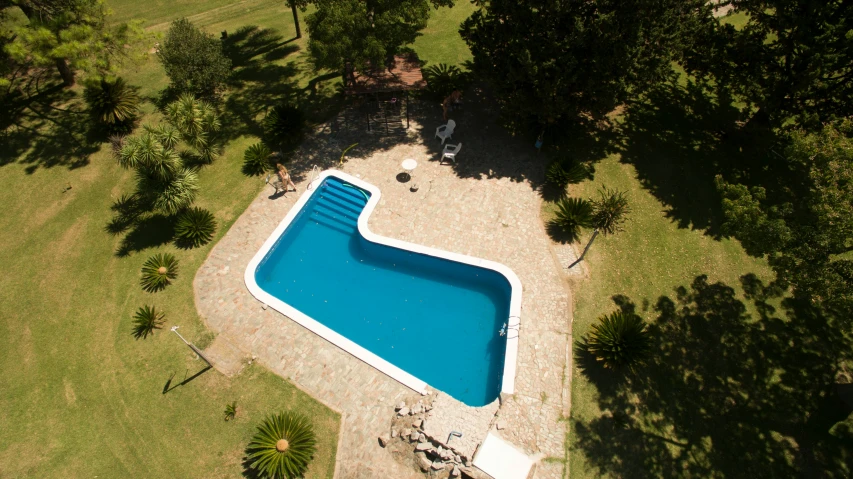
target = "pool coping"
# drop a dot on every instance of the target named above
(513, 321)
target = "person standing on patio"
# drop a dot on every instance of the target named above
(284, 176)
(452, 101)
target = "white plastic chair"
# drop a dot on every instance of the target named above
(445, 131)
(450, 152)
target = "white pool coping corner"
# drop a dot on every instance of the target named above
(501, 460)
(513, 321)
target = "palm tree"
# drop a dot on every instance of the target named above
(146, 320)
(610, 211)
(195, 227)
(112, 103)
(197, 122)
(283, 446)
(618, 340)
(256, 159)
(561, 173)
(158, 272)
(572, 215)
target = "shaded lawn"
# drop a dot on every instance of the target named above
(740, 380)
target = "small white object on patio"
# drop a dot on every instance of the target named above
(450, 152)
(409, 165)
(445, 131)
(501, 459)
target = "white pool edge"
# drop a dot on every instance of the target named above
(513, 321)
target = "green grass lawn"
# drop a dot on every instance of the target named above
(81, 397)
(649, 259)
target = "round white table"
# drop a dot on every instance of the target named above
(409, 166)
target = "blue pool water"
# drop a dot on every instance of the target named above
(434, 318)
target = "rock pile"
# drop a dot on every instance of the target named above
(430, 455)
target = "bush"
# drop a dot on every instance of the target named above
(113, 104)
(442, 79)
(572, 215)
(195, 227)
(231, 411)
(283, 126)
(146, 320)
(194, 60)
(282, 447)
(561, 173)
(256, 160)
(158, 272)
(618, 340)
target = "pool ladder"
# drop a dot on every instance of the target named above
(315, 171)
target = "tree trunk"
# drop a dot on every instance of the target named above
(594, 234)
(296, 19)
(65, 71)
(27, 9)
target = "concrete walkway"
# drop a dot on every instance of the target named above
(485, 206)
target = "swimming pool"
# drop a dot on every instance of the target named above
(420, 315)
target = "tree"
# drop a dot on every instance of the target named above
(293, 5)
(146, 320)
(158, 272)
(552, 62)
(791, 60)
(283, 446)
(609, 213)
(804, 225)
(364, 33)
(618, 340)
(572, 214)
(194, 60)
(112, 103)
(72, 35)
(165, 183)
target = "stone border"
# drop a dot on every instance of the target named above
(513, 321)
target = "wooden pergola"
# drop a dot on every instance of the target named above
(400, 74)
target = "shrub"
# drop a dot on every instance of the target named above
(572, 214)
(283, 125)
(114, 104)
(442, 79)
(256, 160)
(282, 447)
(610, 211)
(158, 272)
(618, 340)
(561, 173)
(146, 320)
(230, 411)
(194, 60)
(195, 227)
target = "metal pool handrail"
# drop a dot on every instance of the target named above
(315, 170)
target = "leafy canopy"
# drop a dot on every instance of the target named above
(194, 60)
(163, 179)
(74, 35)
(551, 62)
(790, 61)
(804, 225)
(364, 33)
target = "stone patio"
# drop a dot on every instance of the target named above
(486, 206)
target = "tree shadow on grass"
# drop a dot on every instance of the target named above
(679, 138)
(145, 230)
(44, 126)
(260, 82)
(724, 394)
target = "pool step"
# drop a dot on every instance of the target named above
(352, 194)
